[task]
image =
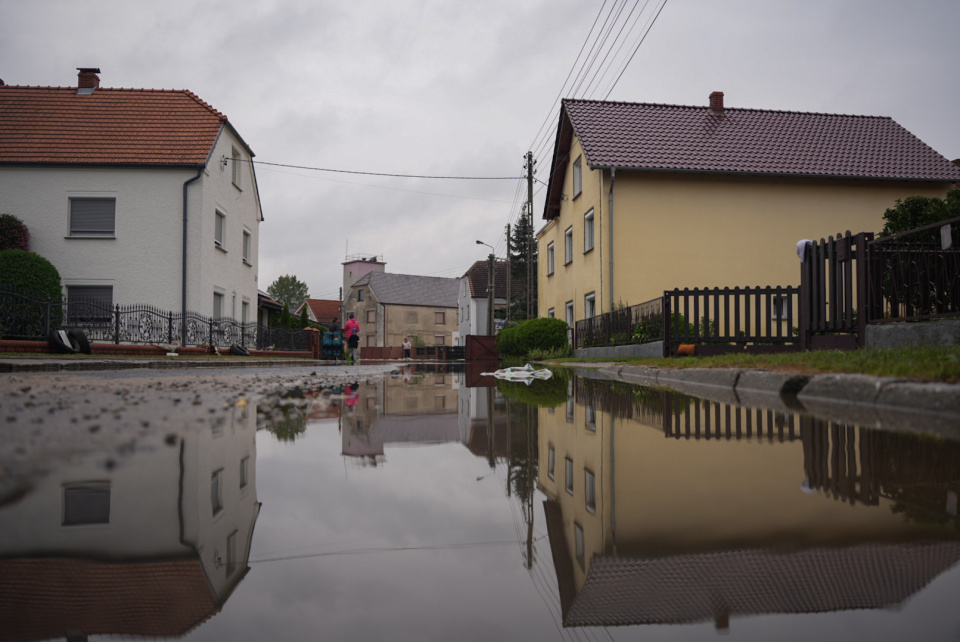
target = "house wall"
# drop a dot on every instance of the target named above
(699, 230)
(408, 320)
(143, 262)
(223, 269)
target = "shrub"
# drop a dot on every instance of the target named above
(14, 235)
(542, 334)
(30, 272)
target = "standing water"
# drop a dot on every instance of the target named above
(436, 504)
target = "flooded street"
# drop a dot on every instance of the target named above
(429, 502)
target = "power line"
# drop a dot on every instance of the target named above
(635, 49)
(350, 171)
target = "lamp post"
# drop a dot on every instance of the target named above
(490, 331)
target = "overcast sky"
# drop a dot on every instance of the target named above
(462, 88)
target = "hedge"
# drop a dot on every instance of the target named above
(545, 334)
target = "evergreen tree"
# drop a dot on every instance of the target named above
(520, 239)
(290, 290)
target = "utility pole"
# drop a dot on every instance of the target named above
(531, 275)
(509, 271)
(490, 284)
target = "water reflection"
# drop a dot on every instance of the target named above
(664, 508)
(152, 543)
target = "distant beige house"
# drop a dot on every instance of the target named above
(389, 307)
(643, 197)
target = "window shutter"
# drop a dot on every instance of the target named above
(93, 216)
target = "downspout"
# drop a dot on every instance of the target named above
(613, 178)
(183, 271)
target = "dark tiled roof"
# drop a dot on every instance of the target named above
(695, 588)
(407, 289)
(478, 275)
(753, 141)
(110, 126)
(44, 598)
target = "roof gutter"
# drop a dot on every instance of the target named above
(183, 271)
(671, 170)
(613, 178)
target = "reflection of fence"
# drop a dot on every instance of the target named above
(24, 315)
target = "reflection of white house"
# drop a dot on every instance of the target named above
(135, 195)
(153, 546)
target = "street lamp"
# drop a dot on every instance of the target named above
(489, 291)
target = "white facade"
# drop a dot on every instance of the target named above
(142, 261)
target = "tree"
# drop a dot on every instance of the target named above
(289, 290)
(520, 240)
(917, 211)
(304, 317)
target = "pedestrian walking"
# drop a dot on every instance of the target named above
(406, 347)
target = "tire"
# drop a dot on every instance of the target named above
(239, 351)
(79, 339)
(61, 343)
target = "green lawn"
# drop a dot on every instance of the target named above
(928, 364)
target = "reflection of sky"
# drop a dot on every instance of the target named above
(427, 499)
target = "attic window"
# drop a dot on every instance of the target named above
(235, 155)
(577, 176)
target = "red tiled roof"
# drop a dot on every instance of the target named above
(109, 126)
(324, 310)
(44, 598)
(755, 141)
(676, 138)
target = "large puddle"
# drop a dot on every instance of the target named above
(437, 504)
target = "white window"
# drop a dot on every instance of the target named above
(569, 313)
(577, 176)
(590, 491)
(220, 229)
(217, 305)
(246, 247)
(568, 475)
(568, 245)
(588, 231)
(570, 408)
(591, 417)
(551, 462)
(86, 503)
(89, 303)
(589, 306)
(245, 312)
(93, 217)
(551, 313)
(235, 153)
(216, 494)
(549, 259)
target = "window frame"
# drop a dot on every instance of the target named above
(589, 305)
(95, 309)
(218, 297)
(568, 475)
(247, 240)
(90, 234)
(590, 491)
(359, 294)
(578, 176)
(550, 259)
(551, 313)
(588, 230)
(80, 501)
(568, 246)
(235, 176)
(216, 491)
(579, 544)
(439, 317)
(371, 316)
(220, 230)
(551, 462)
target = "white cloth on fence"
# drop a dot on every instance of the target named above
(802, 247)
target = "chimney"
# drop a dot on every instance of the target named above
(716, 102)
(87, 79)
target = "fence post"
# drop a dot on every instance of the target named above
(116, 325)
(210, 338)
(665, 324)
(46, 318)
(863, 289)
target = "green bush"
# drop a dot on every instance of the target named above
(14, 235)
(535, 334)
(30, 272)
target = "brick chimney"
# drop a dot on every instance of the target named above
(716, 102)
(88, 79)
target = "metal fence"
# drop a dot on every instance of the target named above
(26, 315)
(639, 323)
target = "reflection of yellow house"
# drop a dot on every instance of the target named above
(682, 510)
(644, 198)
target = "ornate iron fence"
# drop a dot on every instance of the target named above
(25, 315)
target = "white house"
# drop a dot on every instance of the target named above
(135, 195)
(472, 298)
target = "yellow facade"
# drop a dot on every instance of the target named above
(687, 230)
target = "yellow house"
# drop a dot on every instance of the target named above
(644, 198)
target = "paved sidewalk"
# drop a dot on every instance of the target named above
(53, 363)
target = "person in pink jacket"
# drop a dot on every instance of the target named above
(351, 330)
(350, 327)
